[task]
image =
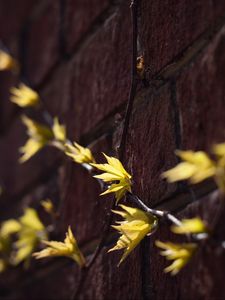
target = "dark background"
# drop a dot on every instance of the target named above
(77, 55)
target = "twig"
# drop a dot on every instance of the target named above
(158, 213)
(167, 216)
(133, 6)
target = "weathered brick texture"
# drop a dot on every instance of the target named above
(77, 54)
(82, 17)
(152, 142)
(168, 27)
(201, 97)
(42, 50)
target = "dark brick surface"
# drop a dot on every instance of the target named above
(174, 26)
(114, 282)
(48, 188)
(97, 70)
(56, 96)
(201, 97)
(79, 189)
(13, 14)
(79, 17)
(42, 48)
(78, 56)
(107, 83)
(54, 282)
(202, 278)
(58, 285)
(15, 177)
(151, 144)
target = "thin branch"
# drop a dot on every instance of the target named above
(134, 9)
(158, 213)
(124, 133)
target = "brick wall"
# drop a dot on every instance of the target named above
(78, 55)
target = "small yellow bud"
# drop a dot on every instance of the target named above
(68, 248)
(7, 62)
(192, 226)
(114, 172)
(195, 167)
(179, 253)
(59, 131)
(136, 225)
(24, 96)
(79, 154)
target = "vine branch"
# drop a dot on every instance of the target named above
(134, 10)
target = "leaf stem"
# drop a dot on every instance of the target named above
(158, 213)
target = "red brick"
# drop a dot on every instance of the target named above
(81, 206)
(48, 187)
(54, 282)
(151, 144)
(168, 27)
(13, 15)
(57, 93)
(42, 48)
(86, 92)
(16, 177)
(203, 277)
(200, 96)
(100, 282)
(102, 69)
(107, 281)
(79, 18)
(59, 285)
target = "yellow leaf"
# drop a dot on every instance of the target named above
(180, 253)
(25, 246)
(31, 220)
(68, 248)
(7, 62)
(135, 226)
(30, 234)
(36, 130)
(48, 206)
(114, 172)
(196, 167)
(29, 149)
(219, 150)
(24, 96)
(59, 130)
(39, 136)
(9, 227)
(194, 225)
(79, 154)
